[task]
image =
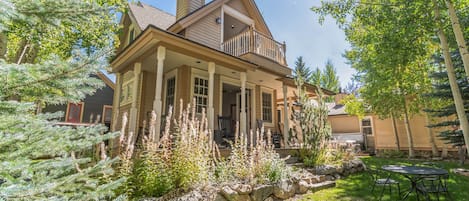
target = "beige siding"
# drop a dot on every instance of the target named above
(274, 112)
(122, 110)
(216, 99)
(385, 138)
(258, 102)
(183, 85)
(185, 7)
(206, 31)
(239, 6)
(344, 124)
(148, 95)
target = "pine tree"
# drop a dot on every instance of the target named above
(301, 70)
(442, 92)
(48, 50)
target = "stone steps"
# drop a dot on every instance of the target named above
(322, 186)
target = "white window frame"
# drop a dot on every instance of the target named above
(169, 75)
(201, 75)
(272, 107)
(370, 126)
(131, 28)
(128, 80)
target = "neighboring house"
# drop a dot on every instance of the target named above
(221, 54)
(380, 133)
(98, 105)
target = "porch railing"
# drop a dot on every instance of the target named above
(252, 41)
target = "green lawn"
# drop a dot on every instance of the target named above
(358, 186)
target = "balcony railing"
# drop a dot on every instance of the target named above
(252, 41)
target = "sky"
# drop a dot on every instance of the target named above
(292, 21)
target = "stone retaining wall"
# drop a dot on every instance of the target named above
(302, 181)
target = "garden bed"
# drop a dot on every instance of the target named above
(303, 180)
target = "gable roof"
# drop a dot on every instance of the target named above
(145, 15)
(336, 109)
(106, 80)
(205, 10)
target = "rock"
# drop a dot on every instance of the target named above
(321, 186)
(219, 197)
(337, 176)
(322, 178)
(303, 187)
(191, 196)
(284, 190)
(330, 178)
(356, 163)
(340, 169)
(325, 169)
(315, 179)
(269, 199)
(229, 194)
(232, 195)
(261, 192)
(242, 189)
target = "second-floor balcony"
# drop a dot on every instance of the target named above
(252, 41)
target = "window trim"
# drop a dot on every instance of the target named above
(197, 75)
(370, 126)
(271, 92)
(131, 28)
(128, 80)
(103, 117)
(82, 110)
(167, 76)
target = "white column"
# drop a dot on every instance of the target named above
(242, 123)
(133, 108)
(157, 103)
(210, 110)
(286, 120)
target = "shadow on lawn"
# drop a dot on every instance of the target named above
(357, 187)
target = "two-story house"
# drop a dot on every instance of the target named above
(222, 54)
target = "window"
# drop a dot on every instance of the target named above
(107, 114)
(267, 107)
(367, 127)
(74, 112)
(126, 94)
(200, 93)
(131, 35)
(170, 91)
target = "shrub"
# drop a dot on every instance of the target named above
(186, 157)
(256, 162)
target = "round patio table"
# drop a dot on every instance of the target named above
(415, 174)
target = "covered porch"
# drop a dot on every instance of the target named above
(160, 69)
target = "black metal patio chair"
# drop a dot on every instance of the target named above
(383, 179)
(435, 184)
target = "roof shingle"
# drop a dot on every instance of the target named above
(145, 15)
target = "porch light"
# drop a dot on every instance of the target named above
(218, 20)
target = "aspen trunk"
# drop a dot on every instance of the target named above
(408, 131)
(396, 134)
(458, 101)
(3, 45)
(432, 137)
(459, 36)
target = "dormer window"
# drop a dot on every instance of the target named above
(131, 34)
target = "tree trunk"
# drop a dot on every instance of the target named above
(3, 45)
(396, 134)
(459, 36)
(458, 101)
(432, 137)
(408, 131)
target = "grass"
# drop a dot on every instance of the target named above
(357, 187)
